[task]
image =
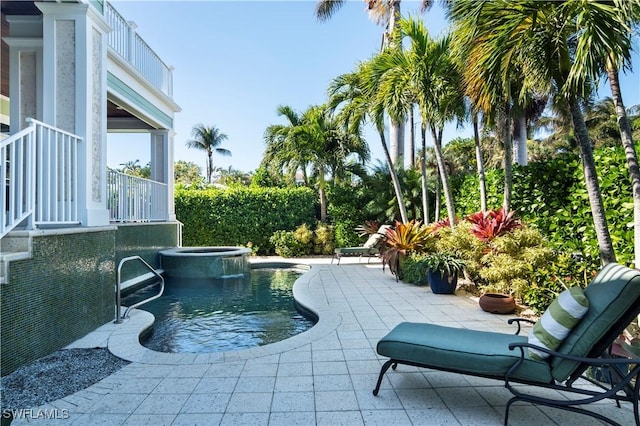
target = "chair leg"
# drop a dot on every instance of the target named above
(383, 370)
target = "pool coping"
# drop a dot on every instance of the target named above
(123, 340)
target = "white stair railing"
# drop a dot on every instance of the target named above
(39, 165)
(17, 171)
(135, 199)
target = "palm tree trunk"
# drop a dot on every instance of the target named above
(630, 152)
(508, 162)
(394, 40)
(520, 139)
(322, 194)
(209, 166)
(605, 245)
(396, 142)
(438, 195)
(423, 176)
(480, 164)
(394, 179)
(448, 196)
(412, 139)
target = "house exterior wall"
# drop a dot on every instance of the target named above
(67, 288)
(62, 293)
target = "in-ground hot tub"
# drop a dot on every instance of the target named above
(205, 262)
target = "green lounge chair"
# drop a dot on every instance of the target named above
(371, 247)
(614, 302)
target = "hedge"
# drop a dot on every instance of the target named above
(243, 216)
(552, 196)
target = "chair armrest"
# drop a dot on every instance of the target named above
(518, 321)
(590, 361)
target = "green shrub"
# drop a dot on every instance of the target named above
(345, 234)
(303, 241)
(286, 244)
(304, 236)
(323, 239)
(512, 261)
(345, 212)
(413, 269)
(237, 216)
(506, 263)
(466, 245)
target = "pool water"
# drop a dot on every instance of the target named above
(214, 315)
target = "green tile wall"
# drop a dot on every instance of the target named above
(144, 240)
(65, 291)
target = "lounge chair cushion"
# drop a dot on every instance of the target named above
(357, 251)
(610, 294)
(557, 321)
(474, 352)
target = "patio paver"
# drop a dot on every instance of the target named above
(323, 376)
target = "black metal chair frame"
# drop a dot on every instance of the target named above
(621, 387)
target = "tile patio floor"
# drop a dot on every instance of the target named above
(321, 377)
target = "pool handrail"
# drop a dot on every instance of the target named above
(119, 318)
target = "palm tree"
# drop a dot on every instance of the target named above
(131, 167)
(351, 97)
(533, 37)
(422, 74)
(602, 123)
(436, 84)
(387, 14)
(208, 139)
(281, 153)
(313, 139)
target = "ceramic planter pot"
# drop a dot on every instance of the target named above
(442, 283)
(497, 303)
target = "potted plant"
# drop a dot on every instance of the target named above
(442, 271)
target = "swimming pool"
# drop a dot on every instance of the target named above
(215, 315)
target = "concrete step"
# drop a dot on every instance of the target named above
(17, 245)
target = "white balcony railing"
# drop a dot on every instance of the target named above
(128, 44)
(40, 167)
(134, 199)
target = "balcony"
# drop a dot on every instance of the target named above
(124, 40)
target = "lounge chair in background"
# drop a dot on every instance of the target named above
(371, 248)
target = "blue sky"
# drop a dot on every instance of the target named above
(236, 61)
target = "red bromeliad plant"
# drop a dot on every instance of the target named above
(444, 223)
(402, 239)
(493, 223)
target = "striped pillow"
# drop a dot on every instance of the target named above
(557, 321)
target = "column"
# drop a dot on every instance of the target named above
(162, 165)
(75, 81)
(25, 70)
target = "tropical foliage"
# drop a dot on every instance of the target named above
(313, 142)
(239, 216)
(403, 239)
(208, 139)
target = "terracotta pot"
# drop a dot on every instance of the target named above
(497, 303)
